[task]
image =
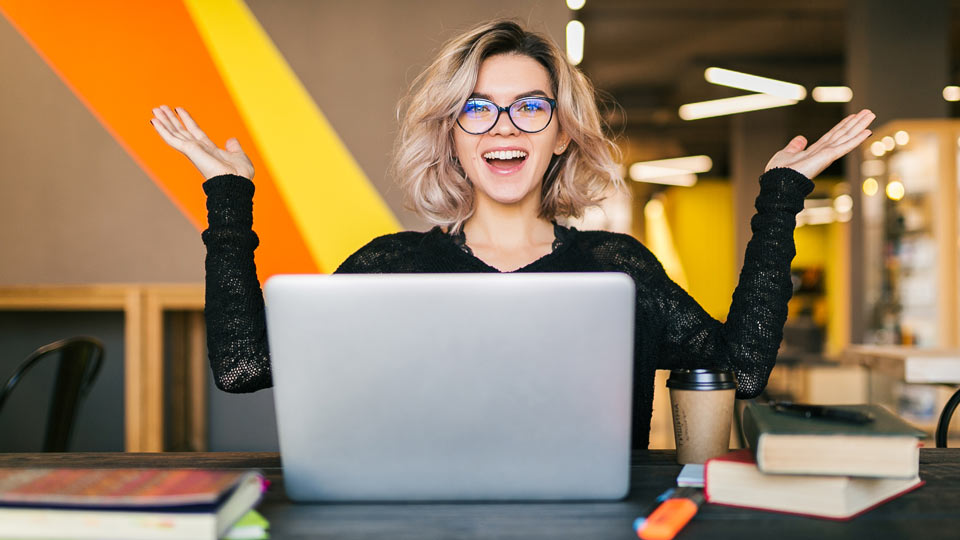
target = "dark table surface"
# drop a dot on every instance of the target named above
(931, 512)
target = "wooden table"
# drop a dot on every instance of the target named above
(143, 306)
(928, 513)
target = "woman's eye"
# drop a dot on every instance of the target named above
(530, 106)
(473, 107)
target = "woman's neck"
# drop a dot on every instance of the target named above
(508, 237)
(508, 228)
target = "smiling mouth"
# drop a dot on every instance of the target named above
(505, 160)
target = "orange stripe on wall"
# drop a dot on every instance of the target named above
(123, 58)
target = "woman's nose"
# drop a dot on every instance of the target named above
(504, 125)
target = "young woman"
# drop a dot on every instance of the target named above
(501, 136)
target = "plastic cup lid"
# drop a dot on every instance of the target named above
(701, 379)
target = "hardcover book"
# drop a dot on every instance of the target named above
(788, 444)
(735, 480)
(127, 504)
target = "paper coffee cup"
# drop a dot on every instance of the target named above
(702, 401)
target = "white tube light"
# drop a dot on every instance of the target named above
(820, 215)
(678, 179)
(754, 83)
(951, 93)
(576, 4)
(832, 94)
(645, 170)
(734, 105)
(575, 32)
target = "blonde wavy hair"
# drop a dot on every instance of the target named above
(424, 159)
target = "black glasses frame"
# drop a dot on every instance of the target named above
(551, 101)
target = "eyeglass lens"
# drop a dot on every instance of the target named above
(528, 114)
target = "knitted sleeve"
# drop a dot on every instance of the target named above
(747, 343)
(235, 317)
(236, 320)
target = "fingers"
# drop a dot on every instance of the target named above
(796, 144)
(829, 136)
(166, 135)
(846, 128)
(856, 128)
(192, 126)
(854, 141)
(233, 145)
(170, 125)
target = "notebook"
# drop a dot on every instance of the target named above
(884, 447)
(453, 386)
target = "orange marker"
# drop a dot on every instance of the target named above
(671, 516)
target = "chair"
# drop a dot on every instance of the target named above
(943, 425)
(80, 359)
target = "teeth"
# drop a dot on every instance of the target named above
(505, 154)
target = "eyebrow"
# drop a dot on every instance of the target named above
(530, 93)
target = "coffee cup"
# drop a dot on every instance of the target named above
(702, 401)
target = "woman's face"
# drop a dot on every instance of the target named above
(503, 79)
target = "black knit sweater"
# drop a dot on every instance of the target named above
(672, 330)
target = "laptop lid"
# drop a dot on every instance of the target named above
(453, 386)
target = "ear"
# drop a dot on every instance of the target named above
(563, 140)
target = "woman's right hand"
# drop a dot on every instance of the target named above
(199, 149)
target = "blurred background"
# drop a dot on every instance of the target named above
(100, 221)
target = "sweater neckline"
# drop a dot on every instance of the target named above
(457, 242)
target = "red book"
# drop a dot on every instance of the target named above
(735, 480)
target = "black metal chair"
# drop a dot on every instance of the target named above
(79, 363)
(943, 425)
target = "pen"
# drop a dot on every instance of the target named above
(820, 411)
(672, 515)
(638, 523)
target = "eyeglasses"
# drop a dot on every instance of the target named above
(529, 114)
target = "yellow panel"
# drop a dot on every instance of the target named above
(330, 198)
(701, 218)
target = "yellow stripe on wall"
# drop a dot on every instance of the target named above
(335, 206)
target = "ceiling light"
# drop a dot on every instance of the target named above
(643, 170)
(888, 143)
(870, 186)
(902, 137)
(878, 149)
(575, 4)
(895, 190)
(734, 105)
(575, 32)
(832, 94)
(951, 93)
(843, 203)
(820, 215)
(754, 83)
(679, 178)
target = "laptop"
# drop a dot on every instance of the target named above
(453, 387)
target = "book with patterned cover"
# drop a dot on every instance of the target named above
(124, 503)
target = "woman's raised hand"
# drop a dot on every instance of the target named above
(199, 149)
(844, 137)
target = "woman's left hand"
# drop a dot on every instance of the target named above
(836, 143)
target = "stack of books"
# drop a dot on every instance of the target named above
(830, 466)
(128, 504)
